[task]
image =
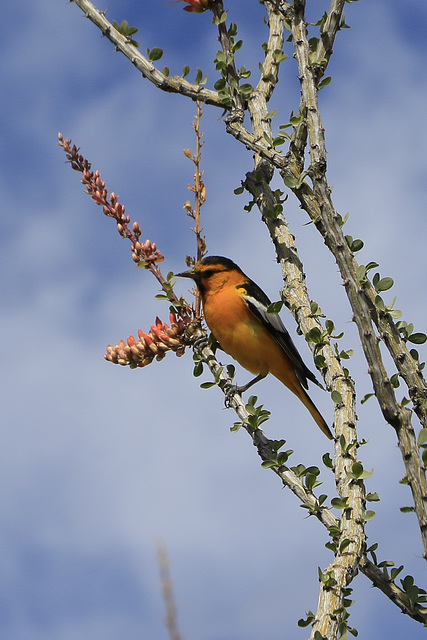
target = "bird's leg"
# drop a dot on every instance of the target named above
(230, 388)
(249, 384)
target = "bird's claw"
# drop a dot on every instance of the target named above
(229, 390)
(201, 343)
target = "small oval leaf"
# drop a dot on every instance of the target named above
(384, 284)
(417, 338)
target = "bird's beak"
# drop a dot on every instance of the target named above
(185, 274)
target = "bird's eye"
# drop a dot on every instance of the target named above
(208, 273)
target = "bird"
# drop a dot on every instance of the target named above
(236, 312)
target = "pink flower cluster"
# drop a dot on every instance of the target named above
(145, 253)
(154, 344)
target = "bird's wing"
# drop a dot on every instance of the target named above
(258, 302)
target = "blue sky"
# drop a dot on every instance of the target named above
(98, 462)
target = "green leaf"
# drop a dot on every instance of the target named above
(344, 544)
(311, 481)
(199, 76)
(327, 461)
(185, 71)
(339, 503)
(341, 220)
(371, 265)
(275, 307)
(155, 54)
(357, 245)
(417, 338)
(368, 515)
(269, 464)
(271, 115)
(329, 326)
(291, 182)
(358, 472)
(219, 20)
(361, 273)
(336, 397)
(395, 572)
(198, 369)
(320, 361)
(283, 457)
(372, 497)
(366, 397)
(246, 89)
(220, 84)
(279, 56)
(313, 470)
(231, 370)
(384, 284)
(394, 381)
(298, 470)
(357, 469)
(314, 308)
(276, 444)
(411, 590)
(379, 302)
(309, 619)
(422, 437)
(325, 82)
(314, 335)
(407, 509)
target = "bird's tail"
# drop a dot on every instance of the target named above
(286, 374)
(318, 418)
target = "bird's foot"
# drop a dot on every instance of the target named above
(230, 389)
(201, 343)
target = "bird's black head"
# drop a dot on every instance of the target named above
(208, 266)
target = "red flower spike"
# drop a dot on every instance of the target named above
(147, 339)
(198, 6)
(155, 331)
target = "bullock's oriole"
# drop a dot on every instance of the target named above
(235, 310)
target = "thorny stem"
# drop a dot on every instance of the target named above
(170, 84)
(199, 191)
(346, 563)
(232, 75)
(198, 184)
(318, 203)
(307, 497)
(171, 620)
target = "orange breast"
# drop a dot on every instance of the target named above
(245, 338)
(238, 331)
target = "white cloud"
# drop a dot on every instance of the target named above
(97, 461)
